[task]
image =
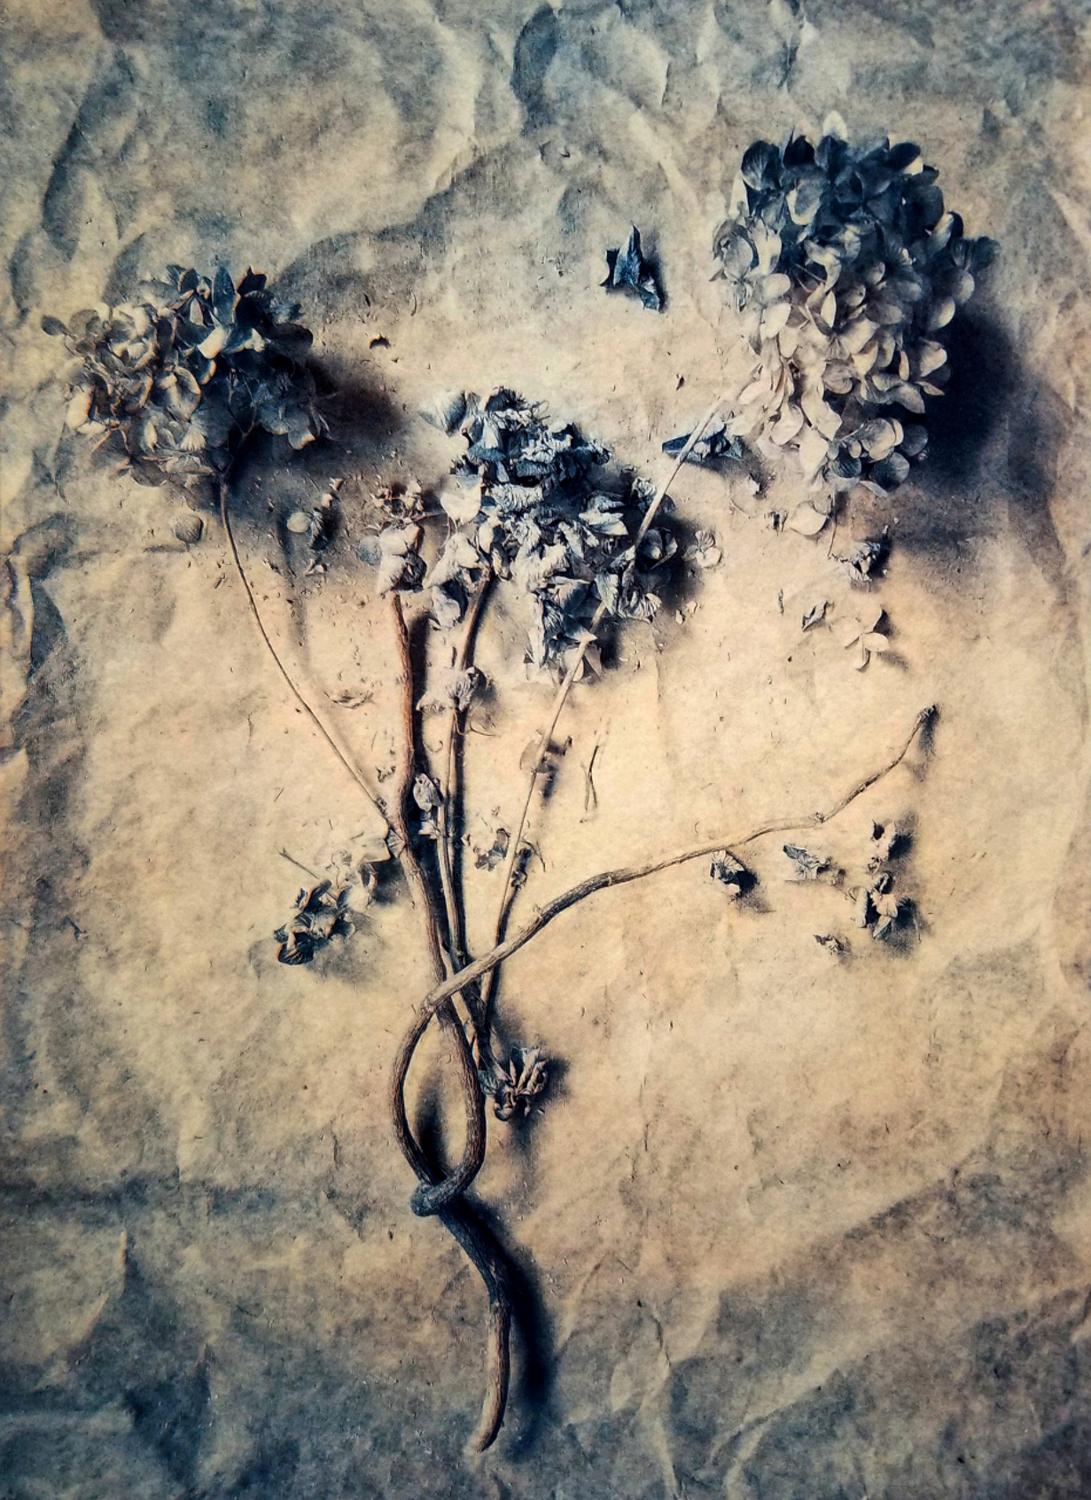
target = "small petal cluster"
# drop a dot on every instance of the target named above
(846, 269)
(186, 369)
(321, 914)
(513, 1086)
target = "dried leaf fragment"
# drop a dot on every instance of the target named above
(189, 527)
(630, 272)
(452, 689)
(732, 874)
(807, 866)
(887, 841)
(713, 448)
(495, 854)
(808, 519)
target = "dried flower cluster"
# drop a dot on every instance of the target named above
(846, 269)
(513, 1086)
(185, 370)
(531, 504)
(876, 909)
(321, 913)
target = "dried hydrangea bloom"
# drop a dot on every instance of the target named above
(846, 270)
(532, 505)
(184, 371)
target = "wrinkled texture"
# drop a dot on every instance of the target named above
(795, 1224)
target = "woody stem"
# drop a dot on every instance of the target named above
(437, 1194)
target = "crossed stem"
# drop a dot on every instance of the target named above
(438, 1193)
(439, 997)
(624, 875)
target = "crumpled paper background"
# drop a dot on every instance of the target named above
(785, 1226)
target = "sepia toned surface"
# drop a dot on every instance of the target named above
(786, 1225)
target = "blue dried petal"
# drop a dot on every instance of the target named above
(712, 449)
(223, 295)
(761, 165)
(891, 472)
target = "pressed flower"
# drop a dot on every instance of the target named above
(862, 637)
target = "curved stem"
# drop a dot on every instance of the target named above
(354, 772)
(623, 876)
(460, 1225)
(436, 1193)
(507, 894)
(498, 1341)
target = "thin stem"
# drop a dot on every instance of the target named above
(546, 739)
(354, 772)
(546, 914)
(448, 818)
(436, 1193)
